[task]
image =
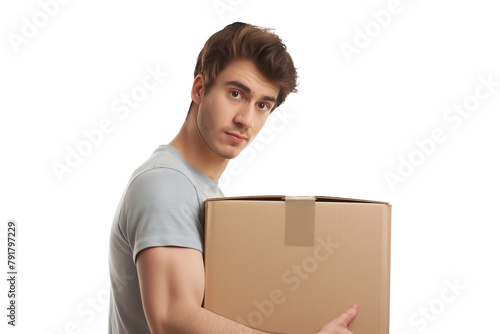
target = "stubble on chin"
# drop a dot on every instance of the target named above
(229, 154)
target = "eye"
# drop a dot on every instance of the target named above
(235, 94)
(263, 106)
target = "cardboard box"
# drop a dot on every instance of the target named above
(291, 264)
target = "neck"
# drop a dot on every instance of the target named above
(195, 151)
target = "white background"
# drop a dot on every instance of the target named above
(352, 122)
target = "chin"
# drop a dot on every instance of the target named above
(227, 154)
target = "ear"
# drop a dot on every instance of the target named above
(197, 89)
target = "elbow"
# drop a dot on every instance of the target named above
(163, 325)
(176, 320)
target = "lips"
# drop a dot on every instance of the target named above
(236, 137)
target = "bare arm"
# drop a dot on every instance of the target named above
(172, 282)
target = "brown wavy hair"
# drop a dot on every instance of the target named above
(259, 45)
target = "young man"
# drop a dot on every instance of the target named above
(156, 245)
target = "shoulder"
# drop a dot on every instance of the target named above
(162, 182)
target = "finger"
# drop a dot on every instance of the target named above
(348, 315)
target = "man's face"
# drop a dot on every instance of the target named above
(235, 108)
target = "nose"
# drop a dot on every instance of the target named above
(244, 116)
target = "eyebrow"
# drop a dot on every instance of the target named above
(248, 90)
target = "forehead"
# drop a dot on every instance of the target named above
(245, 72)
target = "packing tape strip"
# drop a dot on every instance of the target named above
(299, 221)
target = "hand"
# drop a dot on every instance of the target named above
(339, 325)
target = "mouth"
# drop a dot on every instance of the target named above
(235, 137)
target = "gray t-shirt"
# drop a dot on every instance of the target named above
(162, 205)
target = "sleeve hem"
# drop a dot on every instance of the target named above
(165, 243)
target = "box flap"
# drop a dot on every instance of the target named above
(283, 197)
(256, 198)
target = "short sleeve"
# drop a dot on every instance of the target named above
(161, 208)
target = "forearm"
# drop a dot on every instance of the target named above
(197, 320)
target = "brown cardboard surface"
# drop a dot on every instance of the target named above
(255, 277)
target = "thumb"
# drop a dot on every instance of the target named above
(345, 318)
